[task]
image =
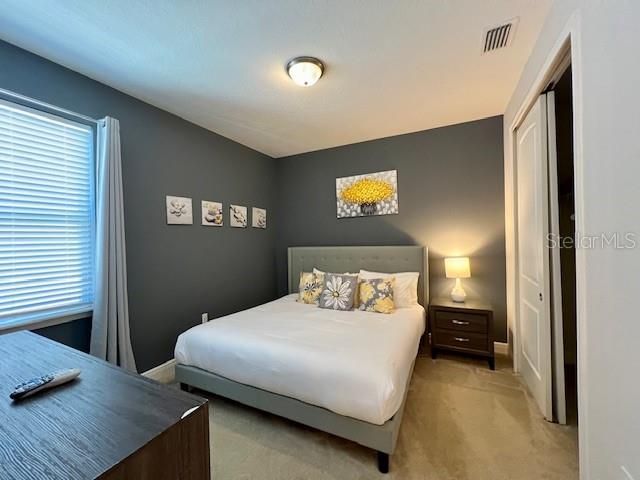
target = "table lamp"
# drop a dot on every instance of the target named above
(457, 267)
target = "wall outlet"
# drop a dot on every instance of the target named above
(205, 317)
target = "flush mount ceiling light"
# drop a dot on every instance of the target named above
(305, 71)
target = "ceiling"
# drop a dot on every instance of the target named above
(393, 67)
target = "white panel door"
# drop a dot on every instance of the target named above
(534, 349)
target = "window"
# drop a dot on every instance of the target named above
(47, 216)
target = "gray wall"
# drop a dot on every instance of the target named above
(76, 334)
(175, 272)
(450, 190)
(451, 194)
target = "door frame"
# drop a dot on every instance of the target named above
(555, 271)
(567, 48)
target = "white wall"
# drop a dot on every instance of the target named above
(606, 69)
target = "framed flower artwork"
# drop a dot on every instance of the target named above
(238, 216)
(212, 214)
(179, 210)
(258, 217)
(367, 195)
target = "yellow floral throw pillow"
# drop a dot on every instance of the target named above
(376, 295)
(310, 287)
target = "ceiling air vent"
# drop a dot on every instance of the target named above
(498, 37)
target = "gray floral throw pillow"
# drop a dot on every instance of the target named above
(339, 291)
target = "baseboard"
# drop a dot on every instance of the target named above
(165, 373)
(501, 348)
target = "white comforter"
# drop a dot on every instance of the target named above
(353, 363)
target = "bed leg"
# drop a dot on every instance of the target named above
(184, 387)
(383, 462)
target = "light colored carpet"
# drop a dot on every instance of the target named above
(462, 421)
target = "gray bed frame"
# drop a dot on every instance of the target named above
(381, 438)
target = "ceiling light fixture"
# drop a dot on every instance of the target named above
(305, 71)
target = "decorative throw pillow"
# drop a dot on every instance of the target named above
(355, 300)
(310, 287)
(405, 288)
(376, 295)
(339, 291)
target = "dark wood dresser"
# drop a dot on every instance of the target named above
(461, 327)
(106, 424)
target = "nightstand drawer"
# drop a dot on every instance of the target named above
(463, 340)
(464, 322)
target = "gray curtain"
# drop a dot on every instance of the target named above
(110, 338)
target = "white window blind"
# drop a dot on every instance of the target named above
(46, 216)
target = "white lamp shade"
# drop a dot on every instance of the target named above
(457, 267)
(305, 71)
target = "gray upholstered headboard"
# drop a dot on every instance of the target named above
(386, 259)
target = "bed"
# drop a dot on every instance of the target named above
(346, 373)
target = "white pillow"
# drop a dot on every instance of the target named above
(405, 291)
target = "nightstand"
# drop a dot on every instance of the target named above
(461, 327)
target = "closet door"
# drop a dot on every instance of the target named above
(534, 349)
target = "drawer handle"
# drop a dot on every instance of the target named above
(460, 339)
(459, 322)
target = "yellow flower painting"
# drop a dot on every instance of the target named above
(369, 194)
(367, 190)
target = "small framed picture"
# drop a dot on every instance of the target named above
(258, 218)
(238, 216)
(212, 214)
(179, 211)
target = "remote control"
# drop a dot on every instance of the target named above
(41, 383)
